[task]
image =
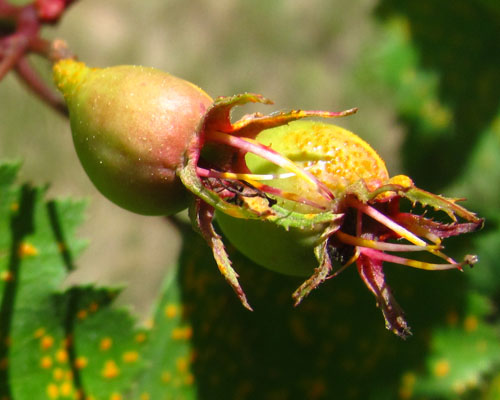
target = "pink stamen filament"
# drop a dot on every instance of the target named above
(252, 146)
(378, 255)
(253, 179)
(383, 246)
(210, 173)
(285, 195)
(398, 229)
(389, 223)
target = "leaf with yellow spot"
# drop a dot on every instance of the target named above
(168, 349)
(50, 341)
(461, 355)
(108, 357)
(31, 331)
(329, 347)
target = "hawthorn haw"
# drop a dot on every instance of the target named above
(130, 128)
(302, 198)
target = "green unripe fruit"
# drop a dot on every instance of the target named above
(336, 157)
(131, 127)
(271, 246)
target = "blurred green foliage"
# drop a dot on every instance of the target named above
(425, 75)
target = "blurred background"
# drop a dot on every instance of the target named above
(425, 77)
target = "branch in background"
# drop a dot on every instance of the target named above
(31, 78)
(24, 38)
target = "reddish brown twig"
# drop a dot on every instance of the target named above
(21, 36)
(31, 78)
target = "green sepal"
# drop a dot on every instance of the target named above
(276, 214)
(439, 203)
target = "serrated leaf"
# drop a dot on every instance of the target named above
(168, 351)
(462, 354)
(48, 338)
(107, 347)
(31, 267)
